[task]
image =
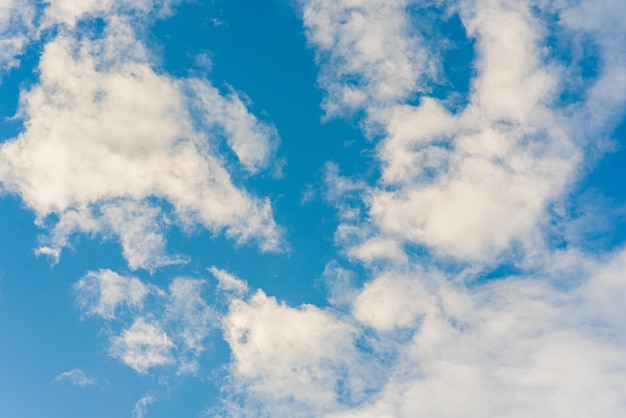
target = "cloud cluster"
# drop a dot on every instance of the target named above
(112, 147)
(159, 327)
(475, 187)
(470, 183)
(370, 53)
(416, 343)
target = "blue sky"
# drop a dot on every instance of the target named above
(312, 208)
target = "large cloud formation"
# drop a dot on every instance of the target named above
(471, 188)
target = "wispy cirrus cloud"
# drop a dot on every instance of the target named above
(141, 406)
(76, 377)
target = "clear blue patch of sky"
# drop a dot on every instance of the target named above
(605, 197)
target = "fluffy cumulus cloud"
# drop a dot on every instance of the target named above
(416, 343)
(470, 183)
(472, 187)
(108, 142)
(293, 360)
(370, 54)
(69, 12)
(511, 348)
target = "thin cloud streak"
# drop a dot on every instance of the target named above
(76, 377)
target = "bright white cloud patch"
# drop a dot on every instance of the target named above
(295, 356)
(512, 348)
(16, 28)
(466, 184)
(70, 12)
(106, 137)
(469, 184)
(143, 346)
(101, 293)
(398, 303)
(370, 54)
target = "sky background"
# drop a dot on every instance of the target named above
(312, 208)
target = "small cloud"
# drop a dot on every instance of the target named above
(143, 346)
(76, 377)
(309, 194)
(141, 406)
(203, 61)
(218, 22)
(228, 282)
(101, 293)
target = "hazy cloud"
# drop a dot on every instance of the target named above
(76, 377)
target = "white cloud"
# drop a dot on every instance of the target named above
(16, 29)
(137, 225)
(76, 377)
(192, 321)
(470, 184)
(107, 140)
(398, 302)
(159, 327)
(516, 347)
(601, 21)
(141, 406)
(253, 143)
(291, 355)
(102, 292)
(520, 346)
(370, 55)
(228, 282)
(70, 12)
(143, 346)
